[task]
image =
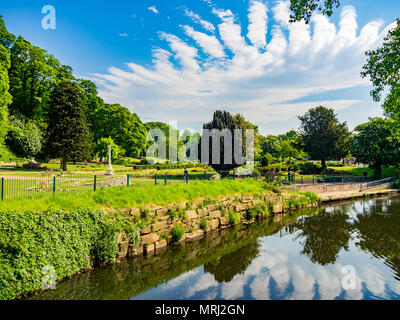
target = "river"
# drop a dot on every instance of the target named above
(342, 251)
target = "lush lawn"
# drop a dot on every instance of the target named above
(138, 195)
(386, 171)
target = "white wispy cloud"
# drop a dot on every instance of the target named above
(257, 24)
(123, 34)
(236, 75)
(153, 8)
(197, 19)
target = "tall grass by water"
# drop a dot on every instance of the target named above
(138, 195)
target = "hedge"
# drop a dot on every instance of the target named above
(66, 241)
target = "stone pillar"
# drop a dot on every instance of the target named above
(110, 169)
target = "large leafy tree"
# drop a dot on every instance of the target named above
(24, 138)
(33, 74)
(375, 145)
(303, 9)
(224, 120)
(383, 68)
(68, 135)
(124, 127)
(324, 137)
(5, 97)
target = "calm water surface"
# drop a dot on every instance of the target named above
(298, 256)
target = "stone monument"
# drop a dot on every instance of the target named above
(110, 170)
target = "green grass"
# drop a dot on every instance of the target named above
(386, 171)
(138, 195)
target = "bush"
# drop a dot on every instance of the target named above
(178, 232)
(68, 242)
(203, 224)
(234, 218)
(258, 210)
(309, 168)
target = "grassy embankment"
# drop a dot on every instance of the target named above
(136, 195)
(357, 171)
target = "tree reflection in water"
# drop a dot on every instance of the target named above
(324, 236)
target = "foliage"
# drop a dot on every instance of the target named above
(102, 148)
(324, 137)
(67, 241)
(68, 135)
(224, 120)
(233, 217)
(178, 231)
(203, 223)
(258, 210)
(33, 73)
(383, 68)
(5, 96)
(304, 9)
(24, 138)
(375, 145)
(124, 127)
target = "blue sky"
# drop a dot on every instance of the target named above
(180, 60)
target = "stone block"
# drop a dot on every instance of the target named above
(224, 221)
(145, 230)
(214, 224)
(193, 236)
(149, 249)
(123, 249)
(160, 246)
(135, 212)
(150, 238)
(159, 225)
(215, 214)
(191, 214)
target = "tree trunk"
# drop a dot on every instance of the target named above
(323, 164)
(63, 164)
(378, 170)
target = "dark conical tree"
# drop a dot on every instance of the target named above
(224, 120)
(68, 134)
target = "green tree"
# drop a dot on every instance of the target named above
(375, 145)
(5, 97)
(303, 9)
(68, 135)
(168, 132)
(124, 127)
(33, 74)
(102, 148)
(224, 120)
(24, 138)
(324, 137)
(383, 68)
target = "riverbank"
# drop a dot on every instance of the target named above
(46, 242)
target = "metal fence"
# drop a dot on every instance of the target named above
(307, 180)
(29, 187)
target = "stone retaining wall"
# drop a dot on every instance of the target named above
(198, 219)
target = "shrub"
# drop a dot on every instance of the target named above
(234, 218)
(67, 241)
(203, 224)
(258, 210)
(310, 168)
(178, 232)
